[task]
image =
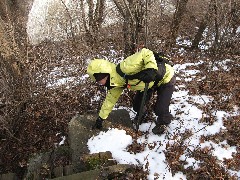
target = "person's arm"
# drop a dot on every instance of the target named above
(109, 102)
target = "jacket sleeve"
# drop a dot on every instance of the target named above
(109, 102)
(148, 59)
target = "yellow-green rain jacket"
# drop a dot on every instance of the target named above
(141, 60)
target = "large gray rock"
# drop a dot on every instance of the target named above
(120, 116)
(44, 162)
(80, 130)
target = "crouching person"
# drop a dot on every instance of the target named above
(133, 72)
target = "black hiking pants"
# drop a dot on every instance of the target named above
(161, 107)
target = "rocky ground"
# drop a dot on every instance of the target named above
(41, 128)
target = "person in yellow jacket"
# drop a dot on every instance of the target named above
(133, 72)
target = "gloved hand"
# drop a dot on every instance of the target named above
(147, 75)
(98, 123)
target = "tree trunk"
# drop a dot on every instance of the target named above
(235, 21)
(127, 44)
(14, 76)
(202, 26)
(95, 20)
(178, 15)
(216, 25)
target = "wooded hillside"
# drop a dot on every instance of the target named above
(34, 55)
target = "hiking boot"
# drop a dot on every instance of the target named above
(159, 129)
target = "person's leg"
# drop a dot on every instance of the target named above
(164, 95)
(138, 100)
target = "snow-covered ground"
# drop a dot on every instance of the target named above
(188, 115)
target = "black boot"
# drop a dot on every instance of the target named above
(162, 123)
(159, 129)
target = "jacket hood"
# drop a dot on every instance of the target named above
(99, 66)
(104, 66)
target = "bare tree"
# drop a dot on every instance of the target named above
(222, 26)
(234, 15)
(216, 23)
(13, 74)
(202, 26)
(93, 20)
(134, 14)
(178, 16)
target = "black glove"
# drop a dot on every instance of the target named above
(98, 123)
(147, 75)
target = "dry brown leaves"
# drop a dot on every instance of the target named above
(50, 110)
(224, 87)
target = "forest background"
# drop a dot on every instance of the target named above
(69, 33)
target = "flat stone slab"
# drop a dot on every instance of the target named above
(100, 174)
(8, 176)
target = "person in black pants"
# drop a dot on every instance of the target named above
(136, 72)
(161, 107)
